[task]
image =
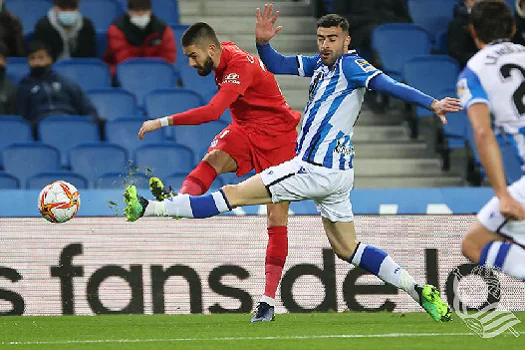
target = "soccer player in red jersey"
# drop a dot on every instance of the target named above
(262, 134)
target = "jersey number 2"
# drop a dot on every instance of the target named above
(520, 91)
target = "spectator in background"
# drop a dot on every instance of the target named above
(461, 46)
(66, 31)
(11, 32)
(519, 37)
(7, 89)
(139, 33)
(44, 92)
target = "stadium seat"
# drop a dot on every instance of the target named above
(205, 86)
(67, 131)
(164, 102)
(102, 43)
(432, 15)
(166, 10)
(163, 159)
(113, 103)
(8, 182)
(101, 12)
(13, 129)
(123, 132)
(182, 60)
(94, 159)
(38, 181)
(512, 5)
(511, 161)
(29, 11)
(397, 43)
(16, 69)
(121, 180)
(140, 76)
(441, 44)
(89, 73)
(23, 160)
(198, 137)
(431, 74)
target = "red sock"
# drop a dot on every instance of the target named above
(276, 253)
(199, 180)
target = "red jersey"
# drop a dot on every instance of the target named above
(261, 106)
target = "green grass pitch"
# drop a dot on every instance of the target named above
(332, 331)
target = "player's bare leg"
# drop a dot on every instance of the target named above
(343, 240)
(487, 248)
(276, 252)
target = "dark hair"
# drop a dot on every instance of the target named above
(139, 4)
(67, 4)
(333, 20)
(492, 20)
(197, 32)
(37, 45)
(4, 51)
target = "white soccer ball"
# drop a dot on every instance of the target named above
(59, 202)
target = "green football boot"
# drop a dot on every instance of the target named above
(135, 204)
(431, 301)
(158, 191)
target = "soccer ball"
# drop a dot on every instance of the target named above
(59, 202)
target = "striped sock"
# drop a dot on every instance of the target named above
(508, 257)
(186, 206)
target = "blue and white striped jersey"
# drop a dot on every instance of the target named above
(335, 99)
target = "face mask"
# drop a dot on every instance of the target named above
(140, 21)
(39, 71)
(2, 72)
(469, 10)
(67, 18)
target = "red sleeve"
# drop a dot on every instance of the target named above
(212, 111)
(169, 47)
(118, 45)
(238, 77)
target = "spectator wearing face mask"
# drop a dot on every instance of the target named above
(66, 31)
(139, 33)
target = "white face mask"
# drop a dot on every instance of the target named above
(140, 21)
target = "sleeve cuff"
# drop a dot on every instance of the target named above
(477, 100)
(367, 82)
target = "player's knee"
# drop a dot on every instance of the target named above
(232, 195)
(277, 216)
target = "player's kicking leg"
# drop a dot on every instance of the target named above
(374, 260)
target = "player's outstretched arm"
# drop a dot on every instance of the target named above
(490, 156)
(264, 27)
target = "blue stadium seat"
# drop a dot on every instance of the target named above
(94, 159)
(101, 12)
(16, 69)
(512, 5)
(113, 103)
(23, 160)
(123, 132)
(164, 159)
(143, 75)
(441, 44)
(199, 137)
(511, 161)
(121, 180)
(29, 11)
(102, 43)
(164, 102)
(89, 73)
(397, 43)
(8, 182)
(13, 129)
(431, 74)
(432, 15)
(166, 10)
(204, 86)
(38, 181)
(226, 116)
(182, 60)
(67, 131)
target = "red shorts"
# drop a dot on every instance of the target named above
(254, 150)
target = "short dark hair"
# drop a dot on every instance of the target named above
(492, 20)
(333, 20)
(66, 4)
(197, 32)
(37, 45)
(139, 5)
(4, 51)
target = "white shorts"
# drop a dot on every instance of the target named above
(297, 180)
(491, 217)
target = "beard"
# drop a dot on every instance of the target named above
(206, 68)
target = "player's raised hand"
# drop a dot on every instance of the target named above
(511, 209)
(264, 30)
(444, 106)
(149, 126)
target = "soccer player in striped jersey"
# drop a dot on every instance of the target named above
(322, 169)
